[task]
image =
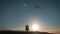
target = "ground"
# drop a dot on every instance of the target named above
(22, 32)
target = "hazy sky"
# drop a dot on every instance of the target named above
(17, 13)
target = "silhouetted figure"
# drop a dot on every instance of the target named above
(27, 28)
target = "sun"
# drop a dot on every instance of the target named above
(35, 27)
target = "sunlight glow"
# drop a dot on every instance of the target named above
(35, 24)
(35, 27)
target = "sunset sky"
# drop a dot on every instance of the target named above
(15, 14)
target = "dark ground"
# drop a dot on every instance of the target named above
(22, 32)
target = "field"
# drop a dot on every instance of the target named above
(23, 32)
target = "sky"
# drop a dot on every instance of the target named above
(15, 14)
